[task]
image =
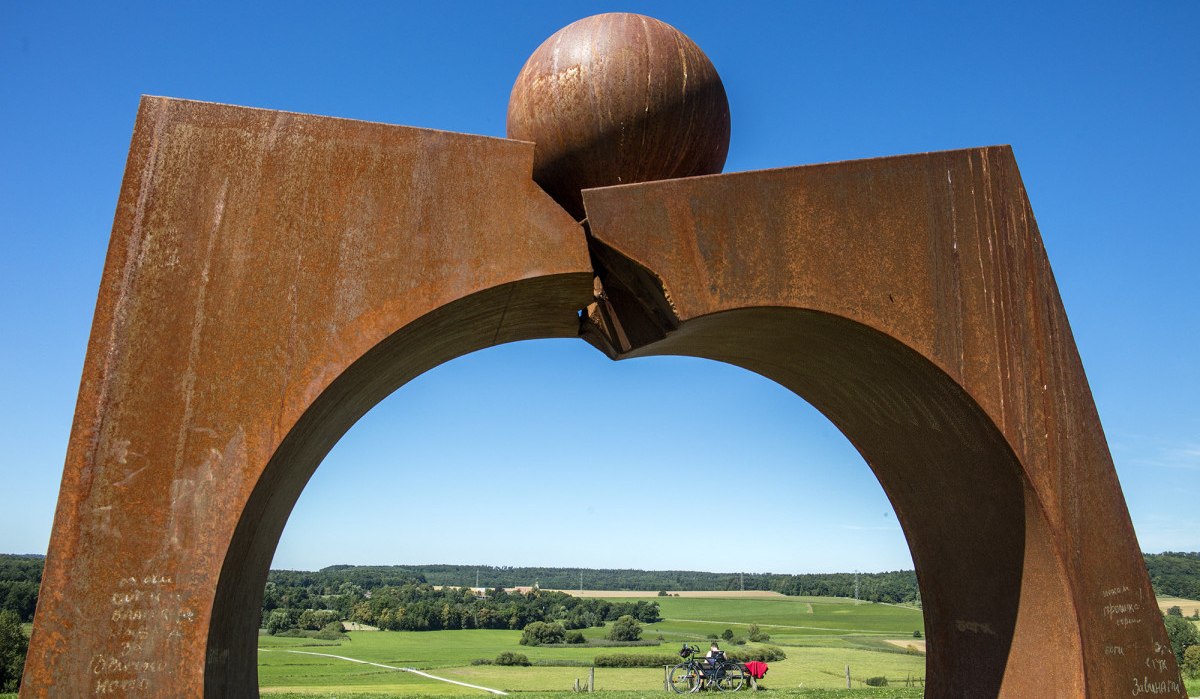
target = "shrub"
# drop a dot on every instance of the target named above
(727, 634)
(630, 660)
(333, 631)
(481, 661)
(539, 632)
(1191, 663)
(739, 641)
(510, 658)
(756, 634)
(13, 646)
(575, 637)
(876, 682)
(713, 637)
(316, 619)
(625, 629)
(277, 621)
(1182, 634)
(764, 654)
(663, 593)
(1175, 611)
(917, 633)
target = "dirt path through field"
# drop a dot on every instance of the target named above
(388, 667)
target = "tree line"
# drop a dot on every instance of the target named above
(343, 588)
(894, 586)
(419, 606)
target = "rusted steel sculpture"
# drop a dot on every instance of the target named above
(272, 276)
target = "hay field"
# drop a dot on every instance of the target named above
(1189, 606)
(713, 594)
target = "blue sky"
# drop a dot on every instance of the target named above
(546, 453)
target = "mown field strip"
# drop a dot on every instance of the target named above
(767, 624)
(389, 667)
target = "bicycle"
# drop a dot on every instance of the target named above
(693, 674)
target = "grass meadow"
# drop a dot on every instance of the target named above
(820, 635)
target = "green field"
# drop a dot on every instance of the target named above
(820, 635)
(785, 617)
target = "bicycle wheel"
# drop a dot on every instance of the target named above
(684, 679)
(730, 677)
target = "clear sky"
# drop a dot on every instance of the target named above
(546, 453)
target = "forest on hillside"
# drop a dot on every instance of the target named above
(1175, 573)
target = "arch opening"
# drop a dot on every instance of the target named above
(954, 483)
(991, 585)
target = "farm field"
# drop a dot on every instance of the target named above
(710, 594)
(820, 635)
(1188, 606)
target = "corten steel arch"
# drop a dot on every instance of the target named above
(272, 276)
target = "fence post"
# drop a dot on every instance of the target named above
(666, 678)
(847, 677)
(592, 679)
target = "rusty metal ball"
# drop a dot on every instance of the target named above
(618, 98)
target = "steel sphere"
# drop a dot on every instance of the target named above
(618, 98)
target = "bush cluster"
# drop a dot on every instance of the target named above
(510, 658)
(876, 682)
(626, 628)
(1191, 663)
(630, 660)
(13, 646)
(333, 631)
(763, 654)
(605, 643)
(541, 633)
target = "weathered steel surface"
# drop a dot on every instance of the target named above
(910, 299)
(618, 98)
(271, 276)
